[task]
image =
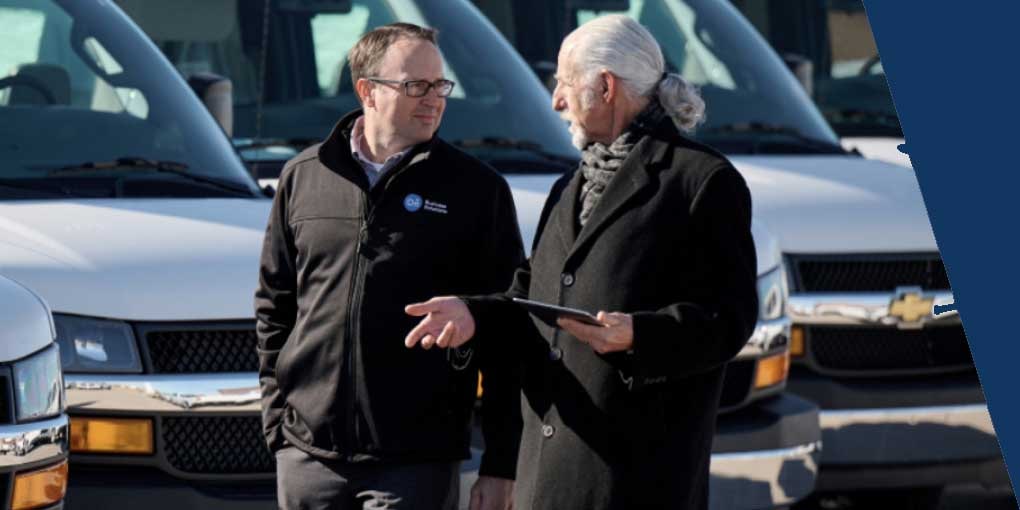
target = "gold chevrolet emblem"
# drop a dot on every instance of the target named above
(911, 307)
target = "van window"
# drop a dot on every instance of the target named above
(308, 85)
(332, 36)
(753, 103)
(673, 25)
(24, 29)
(88, 108)
(52, 69)
(849, 82)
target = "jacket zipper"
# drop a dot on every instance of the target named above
(354, 310)
(353, 331)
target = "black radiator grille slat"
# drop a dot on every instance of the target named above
(869, 273)
(848, 348)
(6, 399)
(217, 445)
(5, 489)
(736, 383)
(203, 351)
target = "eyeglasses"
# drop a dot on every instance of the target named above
(418, 88)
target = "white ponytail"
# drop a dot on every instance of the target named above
(682, 101)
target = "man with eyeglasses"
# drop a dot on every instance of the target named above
(380, 214)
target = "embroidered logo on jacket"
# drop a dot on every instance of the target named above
(413, 202)
(435, 207)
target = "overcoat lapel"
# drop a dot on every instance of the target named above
(632, 177)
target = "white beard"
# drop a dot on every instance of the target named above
(578, 137)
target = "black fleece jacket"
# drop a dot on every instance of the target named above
(339, 262)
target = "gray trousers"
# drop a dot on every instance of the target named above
(307, 483)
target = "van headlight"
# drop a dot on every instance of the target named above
(96, 345)
(772, 293)
(38, 385)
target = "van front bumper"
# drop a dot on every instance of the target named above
(880, 434)
(30, 446)
(765, 455)
(910, 446)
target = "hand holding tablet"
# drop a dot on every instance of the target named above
(549, 313)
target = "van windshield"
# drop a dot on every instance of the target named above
(754, 105)
(88, 108)
(498, 108)
(849, 83)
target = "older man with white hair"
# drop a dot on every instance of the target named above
(653, 231)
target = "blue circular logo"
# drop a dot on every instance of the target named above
(413, 202)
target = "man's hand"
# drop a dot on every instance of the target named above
(491, 493)
(447, 323)
(615, 334)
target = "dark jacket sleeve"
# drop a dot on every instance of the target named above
(275, 311)
(501, 253)
(497, 311)
(505, 328)
(698, 335)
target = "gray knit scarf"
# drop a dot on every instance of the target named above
(599, 163)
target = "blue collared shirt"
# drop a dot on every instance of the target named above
(374, 171)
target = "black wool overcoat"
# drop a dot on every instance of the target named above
(669, 242)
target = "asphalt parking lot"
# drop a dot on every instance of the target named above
(958, 497)
(975, 496)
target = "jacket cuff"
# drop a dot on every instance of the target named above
(655, 337)
(482, 308)
(499, 463)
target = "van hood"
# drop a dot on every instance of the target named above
(530, 192)
(803, 204)
(838, 204)
(26, 319)
(143, 260)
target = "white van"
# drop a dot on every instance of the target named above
(845, 76)
(126, 208)
(901, 405)
(33, 426)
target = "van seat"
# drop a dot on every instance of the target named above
(54, 78)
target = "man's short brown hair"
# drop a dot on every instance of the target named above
(365, 56)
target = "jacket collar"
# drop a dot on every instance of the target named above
(335, 153)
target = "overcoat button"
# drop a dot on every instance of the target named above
(548, 430)
(555, 354)
(568, 279)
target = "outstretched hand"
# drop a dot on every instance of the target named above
(447, 323)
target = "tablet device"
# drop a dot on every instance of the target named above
(549, 313)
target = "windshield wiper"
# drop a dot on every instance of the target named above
(774, 129)
(136, 163)
(513, 144)
(262, 143)
(858, 113)
(22, 185)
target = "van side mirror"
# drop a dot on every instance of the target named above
(803, 69)
(217, 94)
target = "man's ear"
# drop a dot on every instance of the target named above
(610, 85)
(364, 88)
